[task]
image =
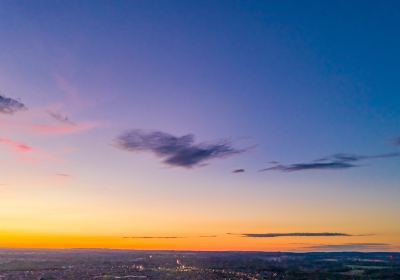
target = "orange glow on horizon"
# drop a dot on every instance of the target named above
(218, 243)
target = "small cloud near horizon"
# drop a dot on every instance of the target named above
(168, 237)
(177, 151)
(350, 247)
(153, 237)
(271, 235)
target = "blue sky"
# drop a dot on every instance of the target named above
(287, 81)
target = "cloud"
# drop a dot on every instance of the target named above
(397, 141)
(310, 166)
(10, 106)
(23, 151)
(271, 235)
(60, 118)
(351, 247)
(63, 175)
(353, 157)
(61, 128)
(173, 150)
(17, 146)
(27, 153)
(238, 171)
(153, 237)
(168, 237)
(334, 162)
(30, 126)
(71, 92)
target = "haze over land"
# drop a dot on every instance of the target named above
(129, 264)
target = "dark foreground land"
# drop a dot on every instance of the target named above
(114, 264)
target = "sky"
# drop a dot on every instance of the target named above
(200, 125)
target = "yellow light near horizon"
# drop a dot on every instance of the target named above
(221, 242)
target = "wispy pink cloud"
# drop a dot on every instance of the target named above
(47, 129)
(66, 87)
(57, 122)
(62, 128)
(17, 146)
(25, 152)
(72, 95)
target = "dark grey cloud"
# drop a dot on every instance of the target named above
(10, 106)
(238, 171)
(334, 162)
(60, 118)
(350, 247)
(354, 157)
(174, 150)
(270, 235)
(310, 166)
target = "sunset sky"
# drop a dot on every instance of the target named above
(200, 125)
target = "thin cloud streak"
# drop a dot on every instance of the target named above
(60, 118)
(168, 237)
(354, 157)
(61, 128)
(70, 91)
(153, 237)
(63, 175)
(238, 171)
(17, 146)
(310, 166)
(351, 247)
(174, 150)
(293, 234)
(334, 162)
(25, 152)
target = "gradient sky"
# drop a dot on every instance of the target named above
(279, 84)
